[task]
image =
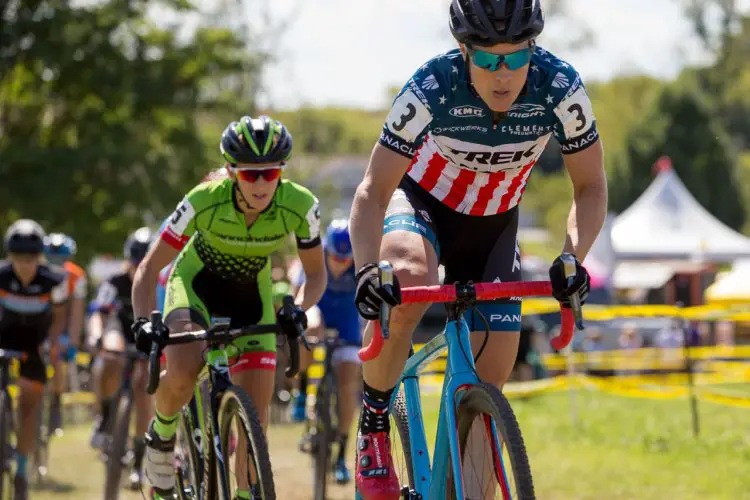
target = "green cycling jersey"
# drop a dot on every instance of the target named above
(224, 269)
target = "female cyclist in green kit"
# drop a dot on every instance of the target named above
(224, 232)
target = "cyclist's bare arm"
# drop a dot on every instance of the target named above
(77, 313)
(59, 321)
(96, 327)
(316, 277)
(586, 170)
(147, 275)
(385, 171)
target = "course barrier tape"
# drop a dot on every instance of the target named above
(647, 358)
(739, 312)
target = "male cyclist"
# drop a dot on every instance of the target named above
(336, 310)
(32, 309)
(59, 250)
(109, 328)
(224, 232)
(444, 183)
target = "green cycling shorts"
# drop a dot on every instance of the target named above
(202, 290)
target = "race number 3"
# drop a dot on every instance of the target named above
(580, 117)
(408, 117)
(411, 112)
(575, 113)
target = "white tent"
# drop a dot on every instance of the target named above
(731, 287)
(666, 222)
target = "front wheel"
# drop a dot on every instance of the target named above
(498, 464)
(40, 457)
(187, 462)
(117, 447)
(243, 462)
(6, 450)
(324, 435)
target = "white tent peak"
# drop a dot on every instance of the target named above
(667, 222)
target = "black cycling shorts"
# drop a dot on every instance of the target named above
(472, 248)
(28, 341)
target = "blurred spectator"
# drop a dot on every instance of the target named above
(725, 333)
(593, 345)
(670, 336)
(629, 337)
(630, 341)
(593, 341)
(694, 336)
(670, 339)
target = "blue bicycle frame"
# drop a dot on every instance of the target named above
(459, 373)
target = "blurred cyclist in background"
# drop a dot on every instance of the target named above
(336, 310)
(109, 329)
(59, 249)
(33, 309)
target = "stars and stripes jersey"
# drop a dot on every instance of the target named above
(461, 155)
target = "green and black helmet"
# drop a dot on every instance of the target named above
(256, 140)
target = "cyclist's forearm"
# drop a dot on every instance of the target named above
(312, 290)
(144, 290)
(95, 328)
(59, 319)
(77, 312)
(366, 226)
(586, 218)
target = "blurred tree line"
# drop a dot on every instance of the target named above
(107, 117)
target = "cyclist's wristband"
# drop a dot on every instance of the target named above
(364, 270)
(137, 324)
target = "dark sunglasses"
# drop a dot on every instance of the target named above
(515, 60)
(253, 174)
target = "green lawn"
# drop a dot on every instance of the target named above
(625, 448)
(618, 449)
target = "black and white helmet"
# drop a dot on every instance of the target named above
(24, 236)
(138, 244)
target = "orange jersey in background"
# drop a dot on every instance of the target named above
(77, 286)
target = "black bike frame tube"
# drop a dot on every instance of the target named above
(220, 382)
(197, 424)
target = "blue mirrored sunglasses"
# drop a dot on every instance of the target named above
(493, 62)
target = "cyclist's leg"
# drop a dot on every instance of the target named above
(349, 380)
(343, 317)
(255, 374)
(61, 367)
(409, 244)
(33, 376)
(144, 412)
(107, 370)
(315, 328)
(183, 311)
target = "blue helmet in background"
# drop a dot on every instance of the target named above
(59, 247)
(337, 240)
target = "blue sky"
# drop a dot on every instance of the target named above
(348, 52)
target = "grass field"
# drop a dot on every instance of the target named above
(618, 449)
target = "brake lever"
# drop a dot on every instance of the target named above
(569, 266)
(305, 343)
(385, 275)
